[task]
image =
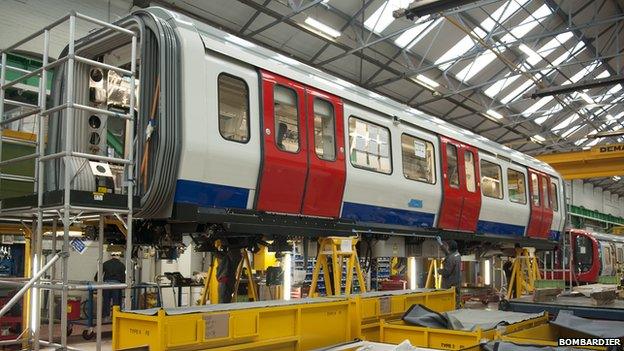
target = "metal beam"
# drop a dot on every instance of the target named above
(569, 88)
(600, 161)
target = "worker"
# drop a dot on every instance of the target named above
(451, 273)
(227, 266)
(114, 272)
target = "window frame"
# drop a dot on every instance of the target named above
(435, 178)
(502, 183)
(554, 202)
(223, 73)
(298, 119)
(389, 146)
(474, 171)
(446, 155)
(314, 98)
(524, 177)
(533, 186)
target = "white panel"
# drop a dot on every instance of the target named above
(223, 162)
(498, 210)
(587, 200)
(598, 200)
(390, 190)
(577, 192)
(558, 220)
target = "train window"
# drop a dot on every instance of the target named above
(583, 254)
(233, 95)
(470, 171)
(324, 140)
(369, 146)
(516, 188)
(535, 196)
(491, 179)
(545, 192)
(418, 159)
(554, 197)
(620, 254)
(286, 119)
(452, 168)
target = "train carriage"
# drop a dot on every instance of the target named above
(235, 138)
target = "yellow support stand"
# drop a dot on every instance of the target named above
(339, 249)
(210, 292)
(434, 278)
(251, 286)
(524, 273)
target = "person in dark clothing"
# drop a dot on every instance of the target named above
(451, 273)
(228, 262)
(114, 272)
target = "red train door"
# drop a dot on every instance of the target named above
(460, 180)
(472, 192)
(303, 162)
(547, 212)
(327, 172)
(535, 228)
(285, 154)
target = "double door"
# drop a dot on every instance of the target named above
(303, 150)
(461, 202)
(541, 205)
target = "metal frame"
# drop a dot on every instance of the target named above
(67, 212)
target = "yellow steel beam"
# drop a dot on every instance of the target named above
(597, 162)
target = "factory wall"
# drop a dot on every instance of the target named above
(594, 198)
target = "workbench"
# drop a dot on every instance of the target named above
(580, 305)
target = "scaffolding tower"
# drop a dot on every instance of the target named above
(66, 210)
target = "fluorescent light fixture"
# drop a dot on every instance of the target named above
(539, 137)
(322, 27)
(286, 266)
(427, 81)
(412, 273)
(616, 178)
(486, 276)
(494, 114)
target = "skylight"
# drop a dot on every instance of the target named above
(534, 57)
(582, 73)
(497, 87)
(554, 43)
(566, 122)
(570, 131)
(539, 137)
(413, 35)
(382, 18)
(528, 24)
(485, 59)
(536, 106)
(594, 142)
(502, 14)
(514, 94)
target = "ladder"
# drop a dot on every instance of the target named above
(68, 212)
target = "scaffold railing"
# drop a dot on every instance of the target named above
(67, 212)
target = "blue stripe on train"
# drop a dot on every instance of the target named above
(487, 227)
(386, 215)
(210, 195)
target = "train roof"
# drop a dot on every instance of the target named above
(609, 237)
(230, 45)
